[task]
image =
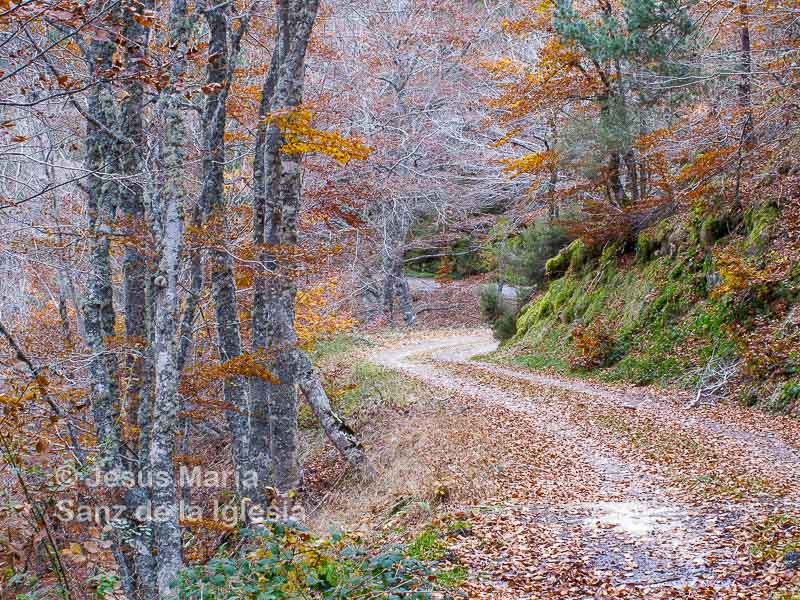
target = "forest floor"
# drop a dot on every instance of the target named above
(601, 491)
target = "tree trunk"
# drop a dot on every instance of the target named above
(342, 437)
(136, 278)
(745, 86)
(167, 221)
(403, 293)
(212, 199)
(264, 182)
(295, 21)
(616, 189)
(102, 157)
(632, 172)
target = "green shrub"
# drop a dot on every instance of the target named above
(465, 258)
(505, 327)
(535, 246)
(784, 397)
(489, 303)
(498, 314)
(283, 562)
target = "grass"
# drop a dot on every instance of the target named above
(428, 545)
(335, 347)
(458, 527)
(726, 485)
(776, 537)
(353, 383)
(452, 578)
(419, 274)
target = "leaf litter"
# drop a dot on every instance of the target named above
(611, 493)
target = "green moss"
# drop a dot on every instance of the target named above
(572, 257)
(646, 246)
(557, 265)
(545, 309)
(651, 305)
(665, 322)
(579, 255)
(759, 221)
(609, 254)
(563, 291)
(526, 318)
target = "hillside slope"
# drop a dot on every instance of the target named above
(709, 302)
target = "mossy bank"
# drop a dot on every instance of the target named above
(708, 298)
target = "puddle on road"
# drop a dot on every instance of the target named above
(634, 518)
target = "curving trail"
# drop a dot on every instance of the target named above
(625, 495)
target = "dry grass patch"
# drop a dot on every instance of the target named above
(434, 454)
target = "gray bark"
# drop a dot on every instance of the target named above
(277, 182)
(264, 168)
(340, 435)
(212, 201)
(136, 277)
(167, 208)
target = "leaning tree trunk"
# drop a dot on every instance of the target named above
(340, 435)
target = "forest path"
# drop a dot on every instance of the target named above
(621, 494)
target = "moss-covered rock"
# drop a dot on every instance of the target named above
(714, 227)
(758, 221)
(572, 258)
(676, 239)
(579, 255)
(561, 262)
(647, 245)
(526, 319)
(665, 321)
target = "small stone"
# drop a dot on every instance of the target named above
(792, 559)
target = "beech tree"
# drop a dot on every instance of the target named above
(137, 98)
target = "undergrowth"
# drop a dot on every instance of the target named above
(287, 562)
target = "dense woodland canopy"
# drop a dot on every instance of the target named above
(193, 195)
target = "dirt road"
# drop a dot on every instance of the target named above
(624, 494)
